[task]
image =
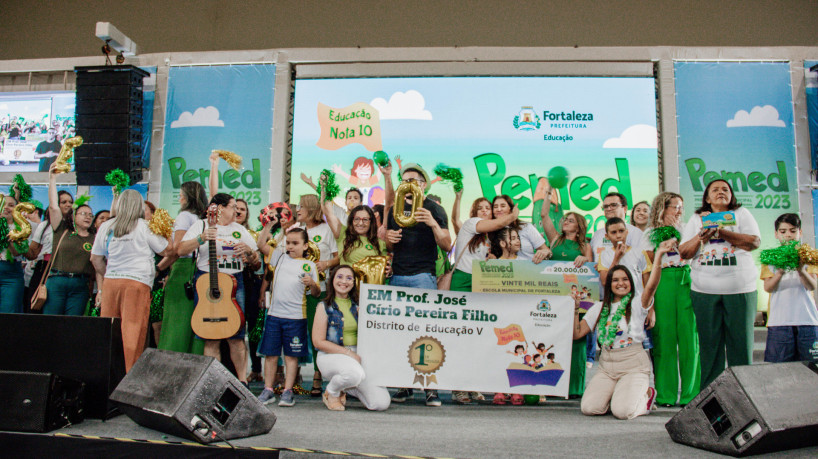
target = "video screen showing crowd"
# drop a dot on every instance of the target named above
(678, 299)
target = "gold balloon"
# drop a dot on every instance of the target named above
(253, 234)
(807, 255)
(407, 187)
(22, 222)
(313, 253)
(269, 257)
(371, 270)
(161, 224)
(66, 152)
(231, 158)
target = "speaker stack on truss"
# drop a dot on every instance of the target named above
(109, 119)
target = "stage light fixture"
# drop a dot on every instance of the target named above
(117, 40)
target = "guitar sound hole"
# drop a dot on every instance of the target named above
(215, 293)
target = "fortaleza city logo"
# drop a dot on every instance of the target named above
(527, 119)
(543, 310)
(544, 306)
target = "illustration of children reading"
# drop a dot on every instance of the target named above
(537, 362)
(550, 358)
(540, 348)
(521, 351)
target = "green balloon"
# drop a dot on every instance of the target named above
(558, 177)
(531, 399)
(381, 158)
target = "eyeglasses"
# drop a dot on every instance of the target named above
(84, 214)
(361, 220)
(613, 205)
(677, 207)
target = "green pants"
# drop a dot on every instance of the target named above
(725, 324)
(177, 335)
(579, 354)
(461, 282)
(675, 339)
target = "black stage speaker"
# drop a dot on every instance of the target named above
(39, 402)
(88, 349)
(752, 409)
(109, 120)
(190, 396)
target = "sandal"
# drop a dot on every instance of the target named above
(461, 398)
(517, 399)
(499, 399)
(316, 390)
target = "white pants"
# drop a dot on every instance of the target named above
(347, 375)
(621, 384)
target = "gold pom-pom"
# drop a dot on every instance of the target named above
(808, 255)
(66, 153)
(231, 158)
(161, 224)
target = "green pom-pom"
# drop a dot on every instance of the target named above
(157, 306)
(662, 234)
(332, 188)
(118, 179)
(784, 257)
(20, 247)
(4, 231)
(254, 335)
(81, 200)
(451, 175)
(37, 204)
(22, 187)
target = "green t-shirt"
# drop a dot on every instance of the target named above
(360, 250)
(567, 250)
(350, 324)
(74, 254)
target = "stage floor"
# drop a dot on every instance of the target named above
(556, 429)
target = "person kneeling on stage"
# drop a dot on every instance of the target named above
(622, 382)
(335, 335)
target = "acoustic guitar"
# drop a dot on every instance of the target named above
(217, 314)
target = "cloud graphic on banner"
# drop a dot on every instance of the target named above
(203, 116)
(758, 116)
(409, 105)
(636, 136)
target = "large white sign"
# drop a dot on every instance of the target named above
(409, 337)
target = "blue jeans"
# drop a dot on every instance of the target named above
(422, 280)
(11, 287)
(67, 296)
(792, 344)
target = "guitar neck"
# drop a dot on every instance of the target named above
(214, 266)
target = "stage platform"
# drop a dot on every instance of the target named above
(556, 429)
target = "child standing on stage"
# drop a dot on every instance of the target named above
(286, 323)
(620, 253)
(792, 326)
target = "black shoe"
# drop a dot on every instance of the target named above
(401, 395)
(432, 399)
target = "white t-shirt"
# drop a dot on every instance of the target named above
(721, 268)
(599, 241)
(289, 294)
(322, 236)
(227, 238)
(633, 259)
(627, 333)
(129, 256)
(467, 232)
(790, 303)
(183, 222)
(44, 236)
(530, 240)
(340, 213)
(670, 260)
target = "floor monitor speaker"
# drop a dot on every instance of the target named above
(752, 409)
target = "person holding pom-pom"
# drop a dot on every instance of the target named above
(792, 326)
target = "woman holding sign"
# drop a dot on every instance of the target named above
(570, 244)
(622, 383)
(719, 238)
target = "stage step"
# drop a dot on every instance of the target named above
(759, 344)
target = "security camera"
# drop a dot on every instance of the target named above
(116, 39)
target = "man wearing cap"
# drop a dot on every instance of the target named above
(415, 249)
